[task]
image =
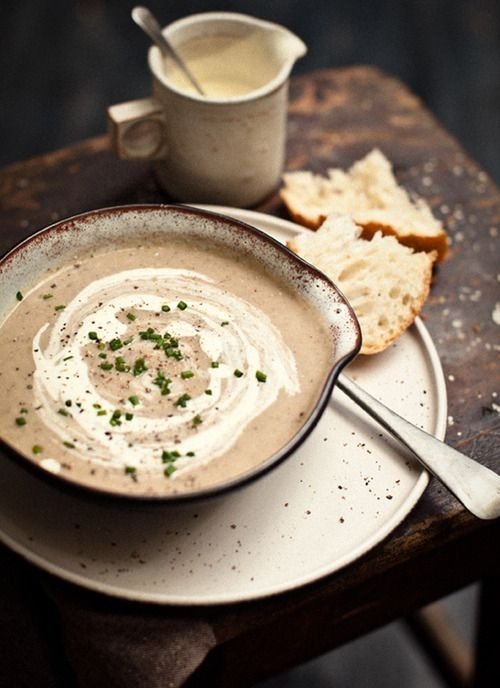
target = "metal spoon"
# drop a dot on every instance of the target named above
(475, 485)
(148, 23)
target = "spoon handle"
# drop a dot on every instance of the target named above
(148, 23)
(475, 485)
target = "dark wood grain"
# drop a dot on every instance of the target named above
(336, 116)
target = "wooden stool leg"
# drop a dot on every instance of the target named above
(442, 644)
(487, 669)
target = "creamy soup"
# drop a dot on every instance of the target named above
(159, 369)
(225, 66)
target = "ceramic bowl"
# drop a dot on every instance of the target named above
(112, 228)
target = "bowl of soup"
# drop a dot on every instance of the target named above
(162, 352)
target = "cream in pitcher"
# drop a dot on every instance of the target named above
(226, 67)
(228, 145)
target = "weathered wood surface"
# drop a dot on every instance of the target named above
(336, 116)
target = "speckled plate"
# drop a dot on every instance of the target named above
(346, 488)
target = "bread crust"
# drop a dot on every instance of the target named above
(437, 244)
(375, 348)
(353, 249)
(430, 237)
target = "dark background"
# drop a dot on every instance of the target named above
(64, 61)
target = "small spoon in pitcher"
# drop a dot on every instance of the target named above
(148, 23)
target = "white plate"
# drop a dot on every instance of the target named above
(346, 488)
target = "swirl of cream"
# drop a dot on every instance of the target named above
(218, 334)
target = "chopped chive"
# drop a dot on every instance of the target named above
(68, 358)
(261, 377)
(106, 366)
(168, 343)
(20, 420)
(214, 364)
(120, 365)
(163, 383)
(182, 305)
(61, 307)
(37, 449)
(172, 352)
(92, 335)
(209, 392)
(69, 445)
(96, 406)
(169, 456)
(47, 296)
(238, 373)
(190, 453)
(19, 296)
(182, 400)
(197, 421)
(224, 323)
(131, 316)
(102, 412)
(149, 334)
(165, 308)
(115, 418)
(115, 344)
(134, 400)
(186, 374)
(169, 470)
(129, 416)
(129, 470)
(23, 410)
(139, 367)
(101, 346)
(103, 355)
(63, 412)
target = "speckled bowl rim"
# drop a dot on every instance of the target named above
(36, 241)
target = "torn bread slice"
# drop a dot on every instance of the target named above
(370, 193)
(385, 282)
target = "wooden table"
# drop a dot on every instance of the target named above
(336, 116)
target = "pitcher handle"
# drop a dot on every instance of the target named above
(137, 129)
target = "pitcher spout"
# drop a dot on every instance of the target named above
(285, 46)
(289, 46)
